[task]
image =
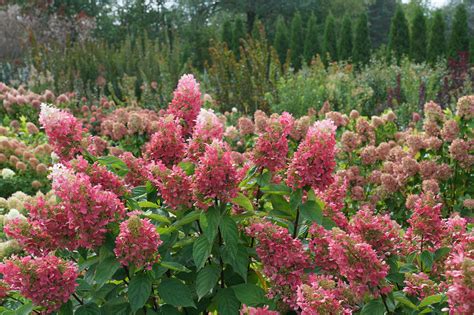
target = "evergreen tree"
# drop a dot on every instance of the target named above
(311, 42)
(437, 43)
(330, 40)
(237, 35)
(281, 39)
(361, 53)
(296, 41)
(459, 40)
(227, 34)
(380, 13)
(345, 44)
(418, 38)
(399, 43)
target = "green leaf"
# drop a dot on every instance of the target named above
(188, 218)
(244, 202)
(227, 302)
(206, 280)
(28, 309)
(66, 309)
(230, 234)
(432, 299)
(427, 260)
(250, 294)
(201, 250)
(374, 307)
(240, 263)
(310, 210)
(295, 198)
(88, 309)
(157, 217)
(139, 290)
(401, 298)
(408, 268)
(174, 292)
(106, 269)
(188, 167)
(210, 222)
(280, 189)
(174, 266)
(114, 164)
(148, 204)
(279, 203)
(441, 253)
(118, 306)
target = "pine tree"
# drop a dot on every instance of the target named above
(330, 40)
(311, 42)
(296, 41)
(399, 43)
(237, 35)
(418, 37)
(227, 33)
(361, 53)
(345, 44)
(437, 43)
(459, 40)
(281, 39)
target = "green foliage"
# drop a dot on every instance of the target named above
(459, 39)
(399, 44)
(418, 39)
(281, 39)
(238, 34)
(311, 42)
(361, 52)
(296, 41)
(437, 42)
(227, 33)
(330, 40)
(345, 43)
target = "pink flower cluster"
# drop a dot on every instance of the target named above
(247, 310)
(207, 129)
(89, 207)
(381, 232)
(333, 197)
(174, 186)
(137, 243)
(186, 102)
(215, 177)
(166, 144)
(63, 130)
(271, 147)
(419, 285)
(459, 276)
(48, 281)
(322, 296)
(284, 259)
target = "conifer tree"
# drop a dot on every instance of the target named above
(330, 40)
(399, 41)
(459, 40)
(418, 38)
(345, 44)
(281, 39)
(437, 42)
(361, 52)
(227, 33)
(296, 41)
(237, 34)
(311, 42)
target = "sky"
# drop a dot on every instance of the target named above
(435, 3)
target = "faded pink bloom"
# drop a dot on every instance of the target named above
(245, 126)
(47, 281)
(450, 130)
(465, 107)
(419, 285)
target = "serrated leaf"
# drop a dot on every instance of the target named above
(66, 309)
(310, 210)
(157, 217)
(230, 235)
(374, 307)
(441, 253)
(206, 280)
(427, 260)
(201, 251)
(139, 290)
(209, 221)
(401, 298)
(227, 302)
(25, 309)
(88, 309)
(106, 269)
(174, 266)
(244, 202)
(432, 299)
(249, 294)
(148, 204)
(295, 199)
(240, 263)
(279, 203)
(174, 292)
